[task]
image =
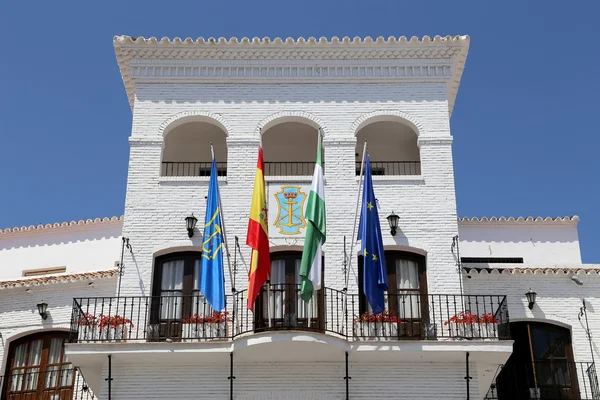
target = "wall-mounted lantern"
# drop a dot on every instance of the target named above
(393, 221)
(531, 296)
(43, 310)
(190, 223)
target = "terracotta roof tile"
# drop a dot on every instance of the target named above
(48, 280)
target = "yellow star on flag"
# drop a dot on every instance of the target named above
(375, 257)
(365, 252)
(369, 205)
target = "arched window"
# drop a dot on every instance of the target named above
(282, 301)
(542, 366)
(290, 149)
(406, 297)
(176, 294)
(187, 150)
(37, 368)
(392, 148)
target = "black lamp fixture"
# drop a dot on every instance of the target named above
(531, 295)
(393, 221)
(190, 223)
(43, 310)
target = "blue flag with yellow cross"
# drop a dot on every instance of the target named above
(212, 275)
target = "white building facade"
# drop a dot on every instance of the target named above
(458, 323)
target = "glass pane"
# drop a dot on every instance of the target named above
(31, 378)
(407, 274)
(171, 305)
(56, 346)
(172, 275)
(277, 299)
(20, 355)
(51, 377)
(409, 305)
(197, 275)
(35, 352)
(304, 309)
(66, 375)
(199, 304)
(16, 382)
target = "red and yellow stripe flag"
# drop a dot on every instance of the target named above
(258, 235)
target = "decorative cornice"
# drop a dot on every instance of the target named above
(61, 225)
(386, 115)
(569, 220)
(234, 59)
(290, 116)
(434, 140)
(136, 141)
(573, 270)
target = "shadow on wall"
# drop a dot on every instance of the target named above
(276, 94)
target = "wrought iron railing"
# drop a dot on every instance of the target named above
(434, 316)
(545, 380)
(393, 168)
(50, 384)
(189, 168)
(280, 307)
(289, 168)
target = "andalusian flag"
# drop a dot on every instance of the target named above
(311, 266)
(258, 235)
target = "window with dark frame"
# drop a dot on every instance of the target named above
(407, 290)
(176, 294)
(38, 368)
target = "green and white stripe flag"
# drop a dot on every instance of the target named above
(311, 266)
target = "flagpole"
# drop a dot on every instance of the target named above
(212, 152)
(353, 242)
(268, 276)
(354, 239)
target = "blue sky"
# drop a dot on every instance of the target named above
(525, 128)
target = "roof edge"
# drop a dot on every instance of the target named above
(61, 225)
(568, 220)
(52, 279)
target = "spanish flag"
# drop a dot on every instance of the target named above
(258, 235)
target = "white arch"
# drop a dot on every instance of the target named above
(290, 116)
(193, 116)
(387, 115)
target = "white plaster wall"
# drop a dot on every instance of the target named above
(290, 381)
(558, 301)
(77, 249)
(155, 208)
(541, 244)
(19, 315)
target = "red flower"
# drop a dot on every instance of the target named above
(113, 322)
(488, 319)
(87, 320)
(385, 316)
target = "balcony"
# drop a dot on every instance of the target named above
(546, 380)
(50, 384)
(379, 168)
(279, 308)
(185, 168)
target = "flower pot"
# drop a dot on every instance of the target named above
(194, 332)
(87, 333)
(488, 330)
(118, 333)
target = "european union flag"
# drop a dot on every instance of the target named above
(212, 275)
(369, 233)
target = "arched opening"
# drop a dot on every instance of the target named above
(290, 149)
(280, 305)
(406, 303)
(392, 148)
(187, 150)
(37, 368)
(542, 366)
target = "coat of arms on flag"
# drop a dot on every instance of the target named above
(290, 210)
